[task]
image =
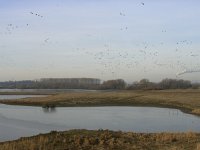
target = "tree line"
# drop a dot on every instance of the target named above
(89, 83)
(53, 83)
(145, 84)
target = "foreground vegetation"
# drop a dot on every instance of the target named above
(185, 100)
(105, 140)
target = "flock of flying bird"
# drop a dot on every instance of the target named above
(36, 14)
(112, 60)
(10, 28)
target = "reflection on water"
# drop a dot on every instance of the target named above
(18, 121)
(49, 109)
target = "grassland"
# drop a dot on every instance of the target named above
(185, 100)
(105, 140)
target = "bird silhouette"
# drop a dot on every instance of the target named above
(36, 14)
(122, 14)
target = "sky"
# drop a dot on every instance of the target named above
(106, 39)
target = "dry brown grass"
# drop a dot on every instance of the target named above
(105, 140)
(198, 146)
(186, 100)
(196, 111)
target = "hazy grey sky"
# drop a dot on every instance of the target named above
(106, 39)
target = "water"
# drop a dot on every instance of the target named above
(21, 121)
(47, 90)
(7, 97)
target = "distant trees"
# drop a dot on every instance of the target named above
(145, 84)
(24, 84)
(174, 84)
(195, 85)
(70, 83)
(92, 83)
(53, 83)
(114, 84)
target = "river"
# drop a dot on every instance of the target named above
(21, 121)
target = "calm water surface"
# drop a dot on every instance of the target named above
(48, 90)
(18, 121)
(7, 97)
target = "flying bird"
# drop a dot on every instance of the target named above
(36, 14)
(187, 71)
(46, 40)
(122, 14)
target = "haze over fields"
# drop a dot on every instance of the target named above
(105, 39)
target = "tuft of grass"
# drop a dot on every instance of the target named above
(196, 111)
(198, 146)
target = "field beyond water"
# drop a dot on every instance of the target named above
(185, 100)
(104, 139)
